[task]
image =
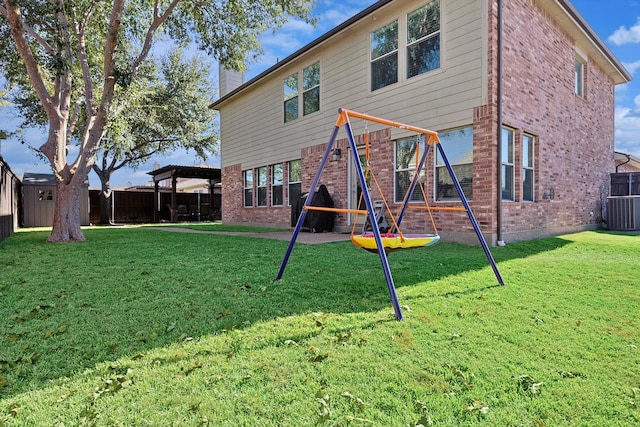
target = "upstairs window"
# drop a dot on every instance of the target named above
(295, 180)
(248, 188)
(384, 56)
(579, 78)
(276, 185)
(458, 146)
(308, 86)
(262, 186)
(507, 166)
(311, 88)
(291, 98)
(527, 168)
(423, 39)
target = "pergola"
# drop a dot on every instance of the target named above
(173, 172)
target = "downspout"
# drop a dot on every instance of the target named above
(499, 240)
(621, 164)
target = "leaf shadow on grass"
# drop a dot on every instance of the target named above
(127, 291)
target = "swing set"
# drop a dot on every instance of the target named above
(377, 234)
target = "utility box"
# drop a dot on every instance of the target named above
(623, 213)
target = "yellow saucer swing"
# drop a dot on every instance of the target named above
(391, 237)
(377, 236)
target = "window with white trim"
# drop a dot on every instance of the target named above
(407, 157)
(295, 180)
(384, 56)
(579, 77)
(248, 187)
(507, 169)
(291, 97)
(277, 180)
(311, 89)
(458, 147)
(528, 168)
(308, 86)
(262, 186)
(423, 39)
(410, 47)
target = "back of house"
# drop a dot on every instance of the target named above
(458, 67)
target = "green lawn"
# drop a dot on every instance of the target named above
(139, 327)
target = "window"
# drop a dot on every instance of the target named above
(291, 98)
(407, 159)
(276, 185)
(44, 195)
(579, 78)
(423, 39)
(262, 186)
(310, 93)
(458, 146)
(527, 168)
(295, 180)
(506, 161)
(248, 188)
(384, 56)
(311, 89)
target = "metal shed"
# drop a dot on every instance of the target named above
(38, 198)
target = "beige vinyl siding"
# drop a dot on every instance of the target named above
(252, 126)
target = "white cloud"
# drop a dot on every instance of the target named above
(627, 128)
(632, 67)
(625, 36)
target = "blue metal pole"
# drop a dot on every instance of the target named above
(372, 220)
(310, 197)
(472, 218)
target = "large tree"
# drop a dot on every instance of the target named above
(165, 109)
(71, 52)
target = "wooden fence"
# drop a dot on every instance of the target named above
(137, 206)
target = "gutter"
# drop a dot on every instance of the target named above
(591, 34)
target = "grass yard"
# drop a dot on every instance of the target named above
(139, 327)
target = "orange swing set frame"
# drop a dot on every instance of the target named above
(376, 241)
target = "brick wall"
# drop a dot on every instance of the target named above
(574, 135)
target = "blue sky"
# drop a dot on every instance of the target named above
(617, 22)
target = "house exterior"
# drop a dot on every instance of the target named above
(38, 200)
(521, 93)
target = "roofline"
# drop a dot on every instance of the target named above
(631, 157)
(579, 19)
(564, 4)
(303, 49)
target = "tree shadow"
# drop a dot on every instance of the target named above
(127, 291)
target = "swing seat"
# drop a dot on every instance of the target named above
(394, 241)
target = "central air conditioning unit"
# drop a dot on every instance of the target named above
(623, 213)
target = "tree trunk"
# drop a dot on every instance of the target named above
(66, 216)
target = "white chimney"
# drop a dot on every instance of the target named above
(229, 80)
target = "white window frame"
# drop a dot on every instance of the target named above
(410, 170)
(458, 160)
(290, 183)
(579, 72)
(528, 165)
(507, 166)
(262, 184)
(277, 185)
(247, 185)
